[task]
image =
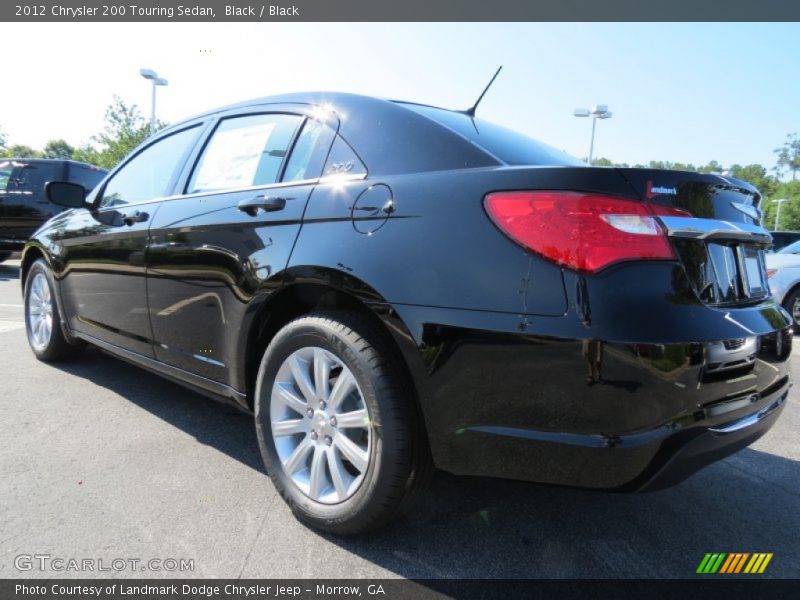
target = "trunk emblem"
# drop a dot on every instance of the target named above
(748, 209)
(658, 190)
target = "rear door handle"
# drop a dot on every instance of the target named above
(132, 217)
(265, 203)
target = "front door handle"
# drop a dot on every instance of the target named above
(132, 217)
(265, 203)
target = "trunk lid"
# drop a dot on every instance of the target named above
(715, 230)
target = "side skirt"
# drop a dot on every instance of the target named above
(212, 389)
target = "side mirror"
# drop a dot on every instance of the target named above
(64, 193)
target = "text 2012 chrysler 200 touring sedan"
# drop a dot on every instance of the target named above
(390, 286)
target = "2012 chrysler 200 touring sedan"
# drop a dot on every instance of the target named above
(390, 287)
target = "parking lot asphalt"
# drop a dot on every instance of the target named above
(102, 460)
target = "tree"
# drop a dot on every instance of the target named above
(756, 175)
(790, 209)
(125, 128)
(2, 139)
(789, 155)
(58, 149)
(22, 151)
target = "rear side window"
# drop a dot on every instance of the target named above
(148, 175)
(343, 160)
(6, 171)
(18, 176)
(509, 146)
(244, 152)
(309, 152)
(86, 176)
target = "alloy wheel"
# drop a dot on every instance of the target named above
(40, 311)
(796, 312)
(320, 425)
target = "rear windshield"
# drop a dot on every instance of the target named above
(509, 146)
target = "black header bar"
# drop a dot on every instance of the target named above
(398, 10)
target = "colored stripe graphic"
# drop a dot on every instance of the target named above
(758, 563)
(711, 563)
(734, 562)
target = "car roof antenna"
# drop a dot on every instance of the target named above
(471, 111)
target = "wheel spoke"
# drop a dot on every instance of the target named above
(300, 374)
(289, 427)
(343, 386)
(355, 418)
(338, 474)
(350, 450)
(317, 480)
(289, 398)
(298, 457)
(322, 371)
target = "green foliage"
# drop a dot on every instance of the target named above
(2, 139)
(125, 128)
(789, 156)
(58, 149)
(22, 151)
(790, 209)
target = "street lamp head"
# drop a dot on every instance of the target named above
(605, 115)
(148, 73)
(581, 112)
(160, 81)
(599, 109)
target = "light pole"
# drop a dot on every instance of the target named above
(598, 111)
(155, 80)
(779, 201)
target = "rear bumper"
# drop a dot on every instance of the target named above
(500, 401)
(679, 458)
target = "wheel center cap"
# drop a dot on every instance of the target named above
(320, 423)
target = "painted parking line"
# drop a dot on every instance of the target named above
(11, 325)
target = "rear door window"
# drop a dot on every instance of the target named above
(310, 151)
(244, 152)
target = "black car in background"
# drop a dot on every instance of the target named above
(781, 239)
(389, 286)
(23, 207)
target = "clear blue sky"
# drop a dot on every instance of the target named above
(679, 92)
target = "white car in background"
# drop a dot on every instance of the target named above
(783, 272)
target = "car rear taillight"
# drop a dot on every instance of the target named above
(582, 231)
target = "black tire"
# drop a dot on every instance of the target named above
(399, 456)
(789, 304)
(4, 256)
(57, 347)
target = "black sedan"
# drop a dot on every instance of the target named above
(390, 287)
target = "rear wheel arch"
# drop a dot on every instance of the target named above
(303, 297)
